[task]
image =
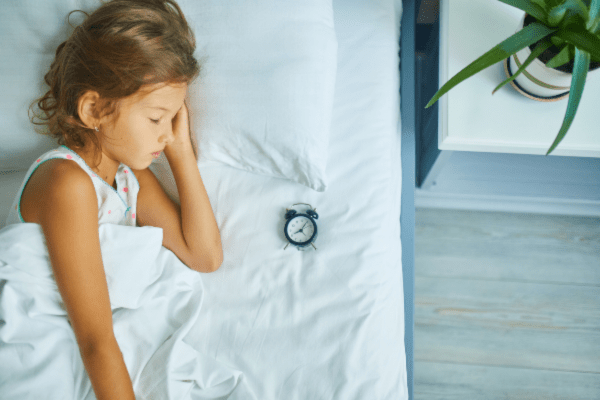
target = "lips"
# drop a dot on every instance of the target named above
(156, 155)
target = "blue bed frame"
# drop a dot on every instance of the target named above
(407, 212)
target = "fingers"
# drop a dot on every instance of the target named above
(181, 116)
(184, 109)
(181, 127)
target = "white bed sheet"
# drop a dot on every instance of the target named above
(325, 323)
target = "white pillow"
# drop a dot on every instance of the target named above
(30, 32)
(263, 102)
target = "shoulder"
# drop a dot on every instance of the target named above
(70, 184)
(58, 186)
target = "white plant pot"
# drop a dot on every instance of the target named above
(538, 81)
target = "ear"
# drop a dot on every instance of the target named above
(86, 106)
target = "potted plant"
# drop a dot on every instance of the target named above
(555, 34)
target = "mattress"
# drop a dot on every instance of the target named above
(325, 323)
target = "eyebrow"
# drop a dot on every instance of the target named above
(160, 108)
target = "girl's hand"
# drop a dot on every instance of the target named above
(183, 140)
(181, 130)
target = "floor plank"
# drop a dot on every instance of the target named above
(505, 246)
(447, 381)
(507, 306)
(515, 324)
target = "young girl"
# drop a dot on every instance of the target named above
(116, 101)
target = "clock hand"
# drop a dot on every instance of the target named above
(302, 228)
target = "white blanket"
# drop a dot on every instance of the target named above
(155, 299)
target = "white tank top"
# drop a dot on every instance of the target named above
(114, 206)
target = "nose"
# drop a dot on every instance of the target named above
(166, 136)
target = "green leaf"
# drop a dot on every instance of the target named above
(581, 39)
(525, 37)
(558, 42)
(556, 15)
(539, 49)
(530, 7)
(593, 24)
(540, 3)
(548, 4)
(578, 7)
(563, 57)
(569, 12)
(580, 70)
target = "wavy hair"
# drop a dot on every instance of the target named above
(122, 46)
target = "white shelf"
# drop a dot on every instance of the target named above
(471, 119)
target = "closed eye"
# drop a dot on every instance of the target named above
(156, 121)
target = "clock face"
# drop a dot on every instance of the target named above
(300, 229)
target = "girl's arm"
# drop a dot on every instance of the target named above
(190, 230)
(68, 214)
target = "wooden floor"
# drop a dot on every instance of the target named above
(507, 306)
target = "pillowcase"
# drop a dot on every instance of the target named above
(30, 32)
(263, 101)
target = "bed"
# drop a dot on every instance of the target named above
(334, 321)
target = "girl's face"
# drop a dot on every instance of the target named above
(143, 126)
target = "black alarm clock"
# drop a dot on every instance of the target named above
(301, 229)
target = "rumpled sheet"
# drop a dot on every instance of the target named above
(154, 297)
